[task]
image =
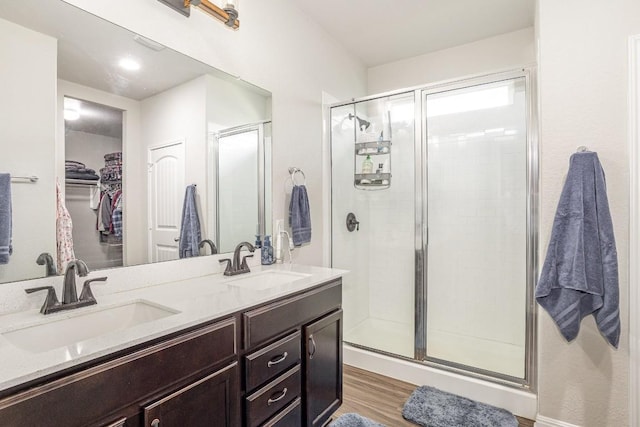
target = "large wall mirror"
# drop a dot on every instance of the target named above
(124, 125)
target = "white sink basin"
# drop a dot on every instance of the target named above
(266, 280)
(83, 326)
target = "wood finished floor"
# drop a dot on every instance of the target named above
(380, 398)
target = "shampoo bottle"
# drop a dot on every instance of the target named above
(367, 165)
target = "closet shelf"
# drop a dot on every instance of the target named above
(81, 182)
(373, 148)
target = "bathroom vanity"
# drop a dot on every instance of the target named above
(268, 353)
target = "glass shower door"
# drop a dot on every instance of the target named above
(373, 178)
(476, 139)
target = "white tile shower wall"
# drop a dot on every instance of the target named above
(392, 236)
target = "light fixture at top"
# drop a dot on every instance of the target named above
(129, 64)
(228, 13)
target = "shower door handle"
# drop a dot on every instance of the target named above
(352, 222)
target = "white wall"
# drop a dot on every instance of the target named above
(583, 101)
(180, 114)
(506, 51)
(277, 48)
(27, 143)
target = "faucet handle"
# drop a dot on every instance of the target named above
(227, 270)
(244, 265)
(50, 302)
(86, 294)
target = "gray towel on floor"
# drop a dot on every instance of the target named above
(190, 230)
(580, 272)
(354, 420)
(299, 215)
(5, 218)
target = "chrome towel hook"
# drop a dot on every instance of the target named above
(293, 171)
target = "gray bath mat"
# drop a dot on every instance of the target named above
(354, 420)
(430, 407)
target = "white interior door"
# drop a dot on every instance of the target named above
(166, 192)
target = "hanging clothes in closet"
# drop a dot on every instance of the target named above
(109, 219)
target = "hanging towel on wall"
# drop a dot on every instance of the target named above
(190, 230)
(580, 272)
(300, 215)
(6, 226)
(64, 232)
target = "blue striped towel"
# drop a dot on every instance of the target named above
(299, 215)
(5, 218)
(580, 272)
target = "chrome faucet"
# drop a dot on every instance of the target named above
(212, 245)
(69, 293)
(237, 267)
(45, 258)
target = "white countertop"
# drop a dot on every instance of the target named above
(197, 300)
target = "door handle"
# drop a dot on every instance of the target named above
(312, 346)
(177, 239)
(155, 423)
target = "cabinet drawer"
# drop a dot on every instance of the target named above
(291, 416)
(72, 400)
(269, 362)
(273, 397)
(274, 319)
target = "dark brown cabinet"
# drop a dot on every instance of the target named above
(274, 336)
(282, 367)
(323, 368)
(208, 402)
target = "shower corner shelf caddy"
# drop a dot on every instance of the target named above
(373, 181)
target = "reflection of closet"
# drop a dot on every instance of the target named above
(93, 183)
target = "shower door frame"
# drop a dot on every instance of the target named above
(528, 382)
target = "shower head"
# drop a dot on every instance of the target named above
(362, 124)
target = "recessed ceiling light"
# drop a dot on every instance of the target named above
(70, 114)
(129, 64)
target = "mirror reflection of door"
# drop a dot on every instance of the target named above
(166, 193)
(239, 179)
(93, 181)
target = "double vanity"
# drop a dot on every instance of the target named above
(258, 349)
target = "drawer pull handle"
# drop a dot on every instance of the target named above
(277, 360)
(312, 346)
(155, 423)
(271, 400)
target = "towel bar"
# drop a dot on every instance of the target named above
(32, 179)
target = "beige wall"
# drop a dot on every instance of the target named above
(583, 101)
(503, 52)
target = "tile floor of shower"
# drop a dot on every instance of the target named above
(398, 338)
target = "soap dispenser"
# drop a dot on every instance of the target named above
(266, 254)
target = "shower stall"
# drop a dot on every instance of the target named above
(434, 201)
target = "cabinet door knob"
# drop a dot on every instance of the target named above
(155, 423)
(312, 346)
(277, 360)
(271, 400)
